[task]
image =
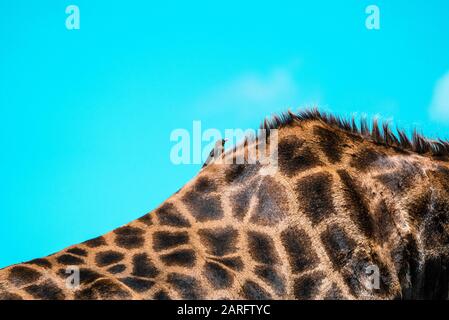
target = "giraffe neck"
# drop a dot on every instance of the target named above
(335, 210)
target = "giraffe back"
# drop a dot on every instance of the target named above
(338, 216)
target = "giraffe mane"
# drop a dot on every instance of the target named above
(374, 131)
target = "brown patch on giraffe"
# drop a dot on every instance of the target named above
(238, 173)
(203, 206)
(307, 286)
(435, 233)
(298, 246)
(261, 248)
(440, 176)
(118, 268)
(188, 287)
(401, 180)
(9, 296)
(294, 157)
(204, 184)
(41, 262)
(333, 293)
(338, 245)
(365, 159)
(143, 266)
(88, 276)
(419, 207)
(129, 237)
(182, 257)
(163, 240)
(272, 277)
(356, 204)
(219, 242)
(330, 142)
(103, 289)
(421, 276)
(252, 291)
(86, 294)
(353, 262)
(218, 277)
(383, 222)
(107, 258)
(45, 291)
(314, 194)
(137, 284)
(20, 275)
(406, 259)
(435, 284)
(272, 203)
(146, 219)
(241, 201)
(95, 242)
(168, 215)
(161, 295)
(68, 260)
(234, 172)
(444, 158)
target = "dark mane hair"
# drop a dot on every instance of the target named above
(379, 133)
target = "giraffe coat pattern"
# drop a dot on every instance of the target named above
(341, 200)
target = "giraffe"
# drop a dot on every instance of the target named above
(344, 197)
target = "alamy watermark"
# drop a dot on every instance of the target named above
(195, 146)
(73, 277)
(72, 22)
(372, 21)
(373, 277)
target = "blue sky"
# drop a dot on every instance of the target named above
(86, 115)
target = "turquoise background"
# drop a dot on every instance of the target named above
(86, 115)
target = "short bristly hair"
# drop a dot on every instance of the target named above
(379, 133)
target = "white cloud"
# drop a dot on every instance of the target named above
(253, 93)
(439, 109)
(255, 88)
